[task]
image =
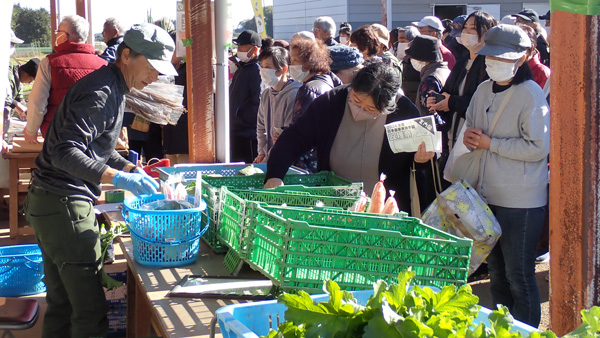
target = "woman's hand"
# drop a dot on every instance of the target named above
(422, 156)
(259, 159)
(440, 106)
(476, 139)
(273, 182)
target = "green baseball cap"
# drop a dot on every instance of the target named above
(154, 43)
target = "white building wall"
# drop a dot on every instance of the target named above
(291, 16)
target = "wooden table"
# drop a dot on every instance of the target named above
(16, 162)
(149, 308)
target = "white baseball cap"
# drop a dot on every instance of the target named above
(431, 21)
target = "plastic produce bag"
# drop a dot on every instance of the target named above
(461, 204)
(158, 102)
(167, 205)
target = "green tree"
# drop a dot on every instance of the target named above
(32, 25)
(251, 24)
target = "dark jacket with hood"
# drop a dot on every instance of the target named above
(244, 98)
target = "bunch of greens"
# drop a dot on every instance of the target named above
(400, 311)
(107, 235)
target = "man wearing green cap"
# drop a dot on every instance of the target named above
(77, 156)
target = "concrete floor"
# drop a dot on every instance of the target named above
(480, 288)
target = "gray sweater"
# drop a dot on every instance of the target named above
(275, 111)
(81, 139)
(514, 171)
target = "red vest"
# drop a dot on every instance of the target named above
(71, 62)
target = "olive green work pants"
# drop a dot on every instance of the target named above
(67, 232)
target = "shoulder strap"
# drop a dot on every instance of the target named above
(500, 110)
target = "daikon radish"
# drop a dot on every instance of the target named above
(391, 206)
(378, 197)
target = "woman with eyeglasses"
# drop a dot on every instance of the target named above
(346, 125)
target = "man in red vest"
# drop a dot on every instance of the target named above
(57, 72)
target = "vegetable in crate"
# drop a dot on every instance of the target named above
(378, 197)
(391, 206)
(249, 171)
(361, 204)
(167, 205)
(396, 311)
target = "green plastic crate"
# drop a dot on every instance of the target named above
(349, 250)
(324, 178)
(234, 225)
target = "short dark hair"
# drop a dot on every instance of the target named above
(448, 25)
(365, 39)
(381, 82)
(266, 43)
(314, 55)
(120, 49)
(484, 21)
(345, 28)
(280, 56)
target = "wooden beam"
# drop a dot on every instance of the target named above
(574, 169)
(201, 117)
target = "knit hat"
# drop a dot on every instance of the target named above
(344, 57)
(425, 48)
(31, 67)
(506, 42)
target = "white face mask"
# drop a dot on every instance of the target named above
(269, 78)
(358, 113)
(401, 50)
(471, 41)
(243, 56)
(343, 40)
(500, 71)
(297, 73)
(418, 65)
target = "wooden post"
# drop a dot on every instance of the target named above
(83, 9)
(574, 169)
(53, 19)
(201, 119)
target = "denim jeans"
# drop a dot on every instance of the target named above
(512, 262)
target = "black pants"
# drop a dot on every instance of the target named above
(243, 149)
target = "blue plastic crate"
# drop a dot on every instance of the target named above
(189, 171)
(252, 320)
(164, 238)
(21, 270)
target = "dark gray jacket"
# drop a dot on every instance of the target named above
(80, 142)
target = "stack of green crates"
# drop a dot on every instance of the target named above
(324, 182)
(234, 223)
(298, 248)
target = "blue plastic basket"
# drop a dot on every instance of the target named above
(164, 238)
(21, 270)
(252, 320)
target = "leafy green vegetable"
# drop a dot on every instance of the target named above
(398, 311)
